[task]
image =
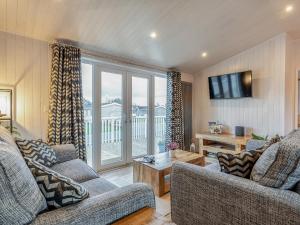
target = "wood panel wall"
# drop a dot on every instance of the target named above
(24, 66)
(262, 114)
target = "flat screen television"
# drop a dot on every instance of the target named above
(233, 85)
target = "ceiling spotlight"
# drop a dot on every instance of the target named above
(204, 54)
(289, 8)
(153, 35)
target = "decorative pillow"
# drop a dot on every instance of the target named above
(58, 190)
(239, 165)
(279, 165)
(37, 150)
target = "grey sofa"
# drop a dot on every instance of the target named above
(207, 196)
(106, 203)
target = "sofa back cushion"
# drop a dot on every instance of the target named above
(6, 136)
(20, 197)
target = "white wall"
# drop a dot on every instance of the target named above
(187, 77)
(24, 66)
(265, 112)
(297, 53)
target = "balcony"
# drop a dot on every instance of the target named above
(111, 135)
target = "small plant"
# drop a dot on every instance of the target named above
(258, 137)
(173, 146)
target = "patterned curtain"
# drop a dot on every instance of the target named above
(174, 112)
(66, 119)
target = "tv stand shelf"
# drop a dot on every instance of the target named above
(226, 143)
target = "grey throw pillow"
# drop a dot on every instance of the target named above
(37, 150)
(279, 165)
(59, 191)
(264, 162)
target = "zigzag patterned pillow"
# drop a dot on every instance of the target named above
(37, 150)
(59, 191)
(239, 165)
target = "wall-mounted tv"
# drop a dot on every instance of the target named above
(233, 85)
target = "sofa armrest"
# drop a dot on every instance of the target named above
(200, 196)
(101, 209)
(65, 152)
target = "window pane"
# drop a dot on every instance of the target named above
(139, 116)
(87, 89)
(111, 117)
(160, 113)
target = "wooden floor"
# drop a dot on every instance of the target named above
(161, 216)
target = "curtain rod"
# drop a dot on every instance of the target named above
(110, 58)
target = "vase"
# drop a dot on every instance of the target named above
(172, 153)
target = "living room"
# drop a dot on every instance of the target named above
(149, 112)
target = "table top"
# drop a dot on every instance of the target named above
(224, 137)
(164, 161)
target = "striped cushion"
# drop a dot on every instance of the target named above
(239, 165)
(58, 190)
(37, 150)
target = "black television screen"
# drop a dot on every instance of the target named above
(233, 85)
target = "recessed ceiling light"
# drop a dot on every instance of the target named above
(153, 35)
(289, 8)
(204, 54)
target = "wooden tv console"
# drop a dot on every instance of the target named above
(226, 143)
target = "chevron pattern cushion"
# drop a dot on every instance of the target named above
(38, 151)
(59, 191)
(239, 165)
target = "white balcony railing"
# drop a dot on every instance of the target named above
(111, 129)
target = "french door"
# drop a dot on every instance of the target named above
(120, 125)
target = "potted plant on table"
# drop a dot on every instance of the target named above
(172, 147)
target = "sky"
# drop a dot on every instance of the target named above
(111, 87)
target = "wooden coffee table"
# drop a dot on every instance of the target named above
(158, 174)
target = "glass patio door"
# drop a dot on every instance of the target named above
(112, 114)
(139, 115)
(124, 113)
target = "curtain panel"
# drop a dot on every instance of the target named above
(66, 115)
(174, 111)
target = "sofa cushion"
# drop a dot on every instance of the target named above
(20, 197)
(75, 169)
(6, 136)
(58, 190)
(98, 186)
(279, 165)
(239, 165)
(38, 151)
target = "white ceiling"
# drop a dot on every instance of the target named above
(185, 28)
